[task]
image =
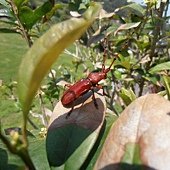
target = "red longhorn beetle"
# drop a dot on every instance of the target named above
(83, 86)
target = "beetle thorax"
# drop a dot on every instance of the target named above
(96, 77)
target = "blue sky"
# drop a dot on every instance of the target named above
(141, 2)
(138, 1)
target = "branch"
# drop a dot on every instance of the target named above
(156, 33)
(21, 26)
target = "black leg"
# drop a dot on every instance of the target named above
(69, 113)
(94, 99)
(104, 93)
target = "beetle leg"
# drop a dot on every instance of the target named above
(101, 87)
(67, 85)
(104, 92)
(69, 113)
(94, 99)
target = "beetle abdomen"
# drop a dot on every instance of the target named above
(68, 98)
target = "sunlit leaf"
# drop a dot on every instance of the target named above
(166, 80)
(112, 28)
(110, 119)
(117, 74)
(46, 50)
(5, 13)
(160, 67)
(4, 3)
(127, 95)
(82, 6)
(103, 14)
(7, 21)
(139, 134)
(127, 26)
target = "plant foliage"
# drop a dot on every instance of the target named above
(68, 40)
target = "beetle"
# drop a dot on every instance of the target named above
(83, 86)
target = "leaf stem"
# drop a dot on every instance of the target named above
(24, 130)
(21, 26)
(22, 152)
(24, 155)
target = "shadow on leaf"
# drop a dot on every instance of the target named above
(71, 138)
(126, 166)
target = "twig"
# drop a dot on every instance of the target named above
(22, 28)
(156, 34)
(43, 108)
(22, 152)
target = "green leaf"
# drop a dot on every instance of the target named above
(166, 80)
(9, 161)
(7, 30)
(4, 3)
(70, 141)
(53, 10)
(5, 13)
(113, 28)
(18, 3)
(152, 78)
(117, 74)
(127, 26)
(135, 9)
(127, 95)
(30, 17)
(42, 10)
(69, 144)
(27, 17)
(132, 154)
(124, 61)
(46, 50)
(160, 67)
(109, 122)
(7, 21)
(82, 6)
(38, 153)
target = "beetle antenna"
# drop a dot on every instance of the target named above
(108, 69)
(105, 52)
